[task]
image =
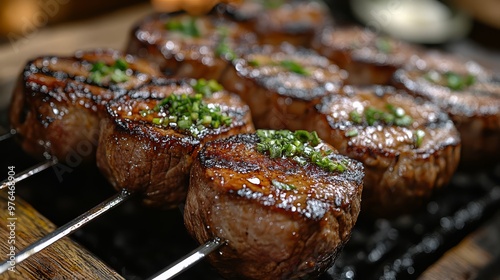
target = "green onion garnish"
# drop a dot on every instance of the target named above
(383, 45)
(451, 79)
(101, 72)
(393, 116)
(283, 186)
(186, 26)
(295, 67)
(207, 88)
(352, 133)
(272, 4)
(300, 145)
(418, 137)
(189, 113)
(223, 49)
(253, 63)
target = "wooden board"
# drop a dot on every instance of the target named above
(477, 254)
(64, 259)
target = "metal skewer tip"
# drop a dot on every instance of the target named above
(7, 135)
(189, 260)
(29, 172)
(68, 228)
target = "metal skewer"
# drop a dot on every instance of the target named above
(68, 228)
(29, 172)
(7, 135)
(188, 260)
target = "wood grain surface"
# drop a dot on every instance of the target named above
(471, 256)
(64, 259)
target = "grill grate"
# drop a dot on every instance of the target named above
(405, 247)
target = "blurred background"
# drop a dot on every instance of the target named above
(18, 17)
(29, 28)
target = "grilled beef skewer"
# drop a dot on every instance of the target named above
(369, 58)
(56, 104)
(151, 136)
(187, 46)
(275, 22)
(409, 147)
(469, 93)
(285, 213)
(281, 84)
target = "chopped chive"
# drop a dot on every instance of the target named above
(207, 88)
(418, 137)
(383, 45)
(283, 186)
(395, 116)
(300, 145)
(351, 133)
(272, 4)
(116, 73)
(253, 63)
(450, 79)
(188, 113)
(121, 64)
(355, 117)
(223, 48)
(295, 67)
(186, 26)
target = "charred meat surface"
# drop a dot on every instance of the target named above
(281, 84)
(409, 147)
(56, 105)
(469, 93)
(282, 218)
(152, 135)
(187, 46)
(275, 22)
(368, 57)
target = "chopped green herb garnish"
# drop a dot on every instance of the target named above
(352, 133)
(451, 79)
(383, 45)
(418, 137)
(272, 4)
(186, 26)
(120, 64)
(355, 117)
(295, 67)
(207, 88)
(283, 186)
(393, 116)
(189, 113)
(101, 72)
(300, 145)
(223, 49)
(253, 63)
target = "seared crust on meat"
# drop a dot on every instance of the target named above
(281, 84)
(401, 171)
(275, 22)
(271, 232)
(137, 155)
(55, 107)
(184, 55)
(468, 93)
(369, 58)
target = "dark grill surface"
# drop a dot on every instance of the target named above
(138, 242)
